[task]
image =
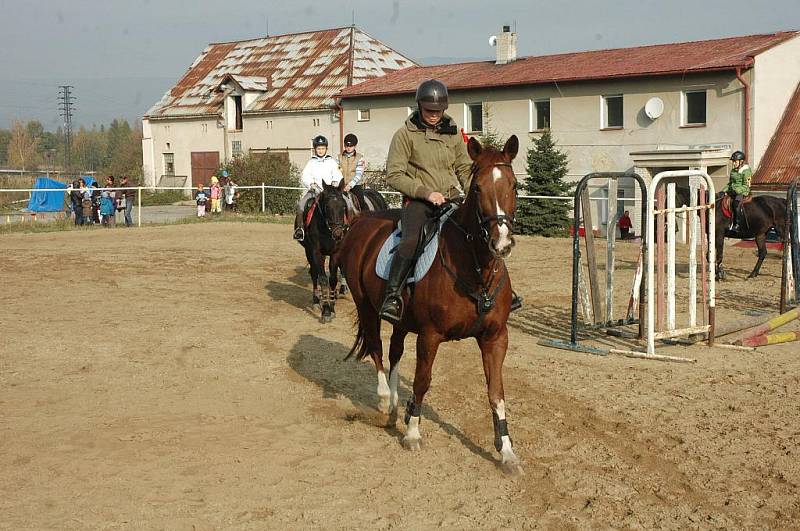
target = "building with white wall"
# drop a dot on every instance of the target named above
(269, 94)
(712, 97)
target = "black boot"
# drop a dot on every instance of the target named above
(737, 215)
(392, 308)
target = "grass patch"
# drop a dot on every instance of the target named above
(163, 198)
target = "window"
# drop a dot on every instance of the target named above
(693, 110)
(236, 148)
(315, 121)
(611, 112)
(539, 115)
(411, 110)
(363, 115)
(474, 117)
(237, 101)
(269, 124)
(169, 163)
(204, 128)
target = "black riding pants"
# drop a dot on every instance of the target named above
(416, 213)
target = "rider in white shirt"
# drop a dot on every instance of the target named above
(321, 168)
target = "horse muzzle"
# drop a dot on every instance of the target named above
(501, 247)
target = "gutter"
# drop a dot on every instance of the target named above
(338, 101)
(746, 86)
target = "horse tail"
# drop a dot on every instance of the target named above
(359, 345)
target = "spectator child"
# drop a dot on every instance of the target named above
(216, 196)
(107, 210)
(201, 198)
(625, 225)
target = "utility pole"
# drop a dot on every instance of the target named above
(65, 104)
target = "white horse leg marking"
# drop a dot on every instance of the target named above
(394, 379)
(383, 392)
(506, 451)
(413, 436)
(503, 242)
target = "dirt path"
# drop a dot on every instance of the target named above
(174, 378)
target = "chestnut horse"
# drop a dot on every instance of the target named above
(466, 292)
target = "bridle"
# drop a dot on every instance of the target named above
(343, 225)
(499, 219)
(481, 294)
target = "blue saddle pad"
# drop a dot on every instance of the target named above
(424, 261)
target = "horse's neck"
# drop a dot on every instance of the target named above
(467, 218)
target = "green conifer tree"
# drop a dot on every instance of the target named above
(546, 167)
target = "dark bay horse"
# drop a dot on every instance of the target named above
(466, 293)
(329, 223)
(761, 214)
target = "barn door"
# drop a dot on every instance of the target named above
(204, 165)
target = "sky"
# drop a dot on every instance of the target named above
(122, 55)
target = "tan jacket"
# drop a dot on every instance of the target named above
(422, 160)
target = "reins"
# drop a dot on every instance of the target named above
(482, 293)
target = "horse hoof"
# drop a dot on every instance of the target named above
(513, 468)
(383, 404)
(412, 445)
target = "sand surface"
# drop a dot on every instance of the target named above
(177, 378)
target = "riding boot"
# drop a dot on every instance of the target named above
(516, 301)
(737, 215)
(392, 308)
(299, 233)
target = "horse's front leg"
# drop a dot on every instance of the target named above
(761, 242)
(719, 245)
(333, 267)
(427, 346)
(391, 398)
(314, 274)
(493, 352)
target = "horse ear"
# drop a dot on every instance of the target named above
(340, 186)
(474, 148)
(511, 148)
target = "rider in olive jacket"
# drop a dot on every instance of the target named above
(427, 163)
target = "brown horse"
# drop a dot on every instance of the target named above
(466, 293)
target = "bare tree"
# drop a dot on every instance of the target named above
(22, 147)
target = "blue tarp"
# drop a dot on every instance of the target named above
(50, 201)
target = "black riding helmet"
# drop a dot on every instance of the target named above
(433, 93)
(737, 155)
(319, 140)
(350, 139)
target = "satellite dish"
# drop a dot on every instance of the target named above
(493, 41)
(654, 108)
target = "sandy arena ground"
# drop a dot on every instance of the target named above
(175, 378)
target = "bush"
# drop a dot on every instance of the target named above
(162, 198)
(270, 169)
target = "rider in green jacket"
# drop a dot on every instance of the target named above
(738, 187)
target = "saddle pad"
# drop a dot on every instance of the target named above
(310, 212)
(425, 260)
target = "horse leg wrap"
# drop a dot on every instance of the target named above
(500, 431)
(412, 410)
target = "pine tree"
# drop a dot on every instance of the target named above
(489, 137)
(547, 167)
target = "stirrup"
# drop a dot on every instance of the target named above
(392, 309)
(516, 302)
(299, 234)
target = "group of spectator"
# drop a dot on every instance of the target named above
(221, 192)
(90, 205)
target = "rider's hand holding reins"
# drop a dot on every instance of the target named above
(436, 198)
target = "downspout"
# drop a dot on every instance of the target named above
(341, 123)
(746, 86)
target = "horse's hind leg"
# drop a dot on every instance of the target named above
(372, 338)
(761, 242)
(396, 348)
(427, 346)
(493, 352)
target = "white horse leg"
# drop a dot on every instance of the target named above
(502, 441)
(383, 392)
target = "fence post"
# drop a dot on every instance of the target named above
(139, 206)
(263, 198)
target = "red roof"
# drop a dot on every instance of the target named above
(289, 72)
(656, 60)
(781, 162)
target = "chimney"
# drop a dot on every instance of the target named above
(506, 47)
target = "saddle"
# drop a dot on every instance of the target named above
(727, 203)
(426, 251)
